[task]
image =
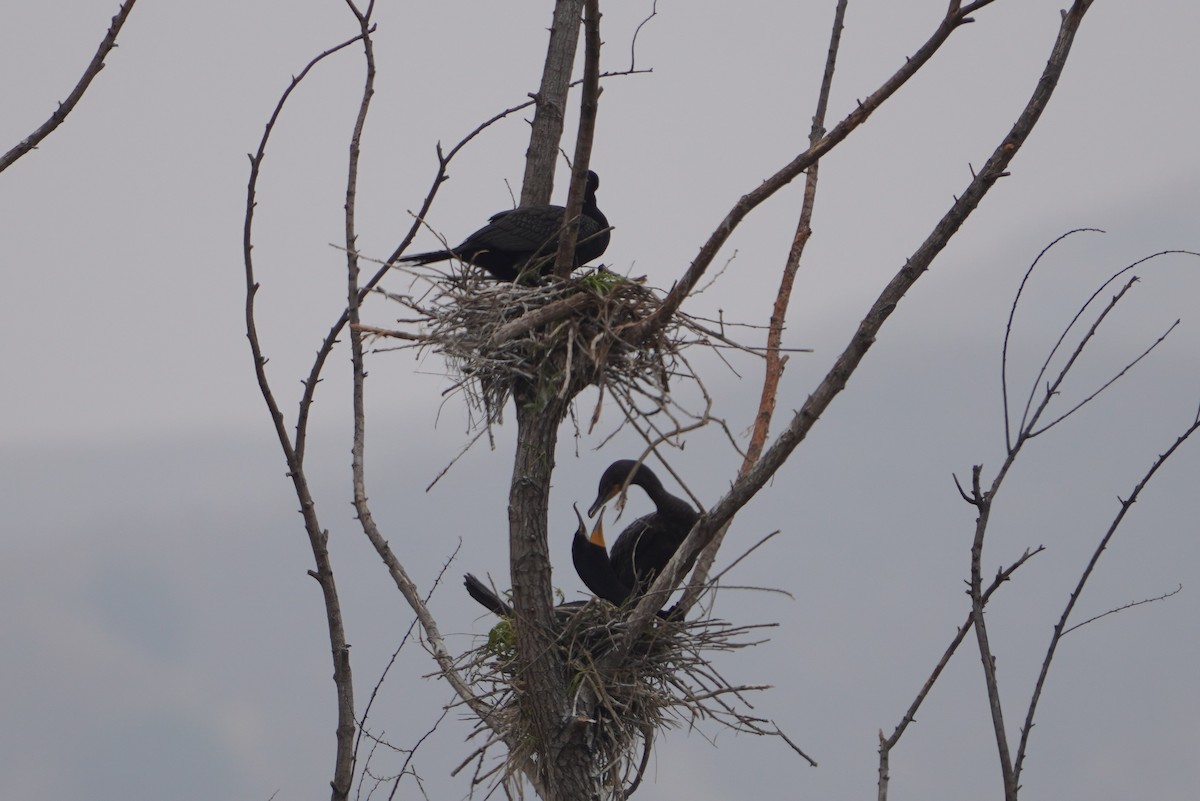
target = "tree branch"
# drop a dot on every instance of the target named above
(550, 104)
(1012, 312)
(107, 44)
(835, 380)
(564, 259)
(751, 200)
(886, 744)
(981, 636)
(1060, 628)
(358, 471)
(775, 357)
(318, 537)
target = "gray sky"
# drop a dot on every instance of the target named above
(162, 638)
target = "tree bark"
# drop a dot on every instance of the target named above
(564, 759)
(551, 104)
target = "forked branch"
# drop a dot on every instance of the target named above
(835, 380)
(293, 454)
(1060, 628)
(354, 294)
(954, 19)
(775, 358)
(886, 744)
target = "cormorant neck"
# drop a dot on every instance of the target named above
(646, 479)
(665, 503)
(590, 209)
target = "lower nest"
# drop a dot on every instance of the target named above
(619, 698)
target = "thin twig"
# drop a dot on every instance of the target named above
(1034, 432)
(1123, 607)
(1060, 628)
(366, 713)
(636, 32)
(1037, 381)
(748, 551)
(107, 44)
(1012, 311)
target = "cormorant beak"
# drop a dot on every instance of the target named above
(604, 498)
(597, 537)
(601, 499)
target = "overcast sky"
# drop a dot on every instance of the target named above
(161, 637)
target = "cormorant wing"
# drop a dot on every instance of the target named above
(523, 230)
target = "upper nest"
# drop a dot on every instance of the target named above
(553, 338)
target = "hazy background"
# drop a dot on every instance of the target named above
(161, 637)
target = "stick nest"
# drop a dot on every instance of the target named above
(544, 341)
(620, 700)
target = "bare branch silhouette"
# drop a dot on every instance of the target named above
(775, 357)
(955, 18)
(293, 454)
(835, 380)
(1012, 312)
(1060, 628)
(1037, 381)
(886, 744)
(107, 44)
(1123, 607)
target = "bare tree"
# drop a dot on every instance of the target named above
(551, 698)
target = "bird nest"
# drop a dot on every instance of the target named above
(545, 341)
(621, 698)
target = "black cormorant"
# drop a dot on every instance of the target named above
(593, 565)
(648, 543)
(516, 240)
(591, 562)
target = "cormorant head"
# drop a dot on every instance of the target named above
(614, 480)
(597, 535)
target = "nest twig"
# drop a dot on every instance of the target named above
(665, 680)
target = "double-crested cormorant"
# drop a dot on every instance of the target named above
(648, 543)
(526, 239)
(593, 565)
(591, 562)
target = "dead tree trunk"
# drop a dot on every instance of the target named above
(564, 761)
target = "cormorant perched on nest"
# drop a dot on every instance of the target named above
(593, 565)
(526, 239)
(648, 543)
